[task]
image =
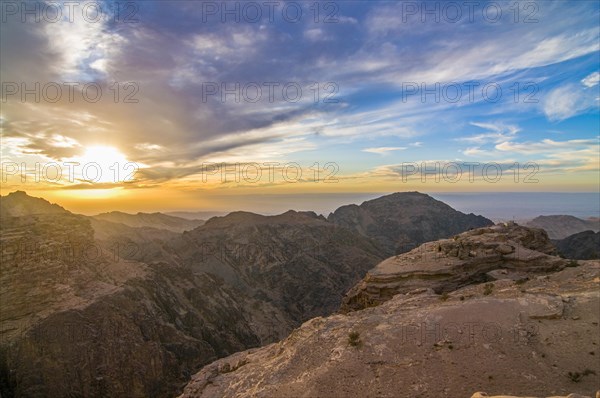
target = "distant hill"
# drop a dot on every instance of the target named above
(153, 220)
(18, 204)
(580, 246)
(561, 226)
(195, 215)
(404, 220)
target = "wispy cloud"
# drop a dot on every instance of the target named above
(496, 132)
(569, 100)
(384, 150)
(591, 80)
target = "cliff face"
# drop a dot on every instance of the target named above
(79, 320)
(500, 251)
(50, 262)
(402, 221)
(536, 335)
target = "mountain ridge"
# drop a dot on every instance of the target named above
(562, 226)
(153, 220)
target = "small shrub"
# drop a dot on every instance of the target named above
(354, 339)
(444, 296)
(488, 288)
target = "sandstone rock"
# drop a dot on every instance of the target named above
(505, 249)
(502, 252)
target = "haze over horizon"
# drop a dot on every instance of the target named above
(498, 206)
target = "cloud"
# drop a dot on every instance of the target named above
(497, 132)
(82, 50)
(172, 126)
(546, 146)
(316, 34)
(476, 151)
(384, 150)
(567, 101)
(591, 80)
(348, 20)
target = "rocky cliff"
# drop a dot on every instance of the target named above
(485, 254)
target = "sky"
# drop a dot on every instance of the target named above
(190, 105)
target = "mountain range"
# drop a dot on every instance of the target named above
(134, 304)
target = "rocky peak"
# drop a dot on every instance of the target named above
(19, 204)
(404, 220)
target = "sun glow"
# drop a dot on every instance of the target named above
(103, 155)
(105, 164)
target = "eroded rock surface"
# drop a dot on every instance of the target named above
(497, 252)
(538, 338)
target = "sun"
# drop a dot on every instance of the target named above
(105, 164)
(103, 154)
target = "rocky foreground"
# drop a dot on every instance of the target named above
(510, 318)
(499, 252)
